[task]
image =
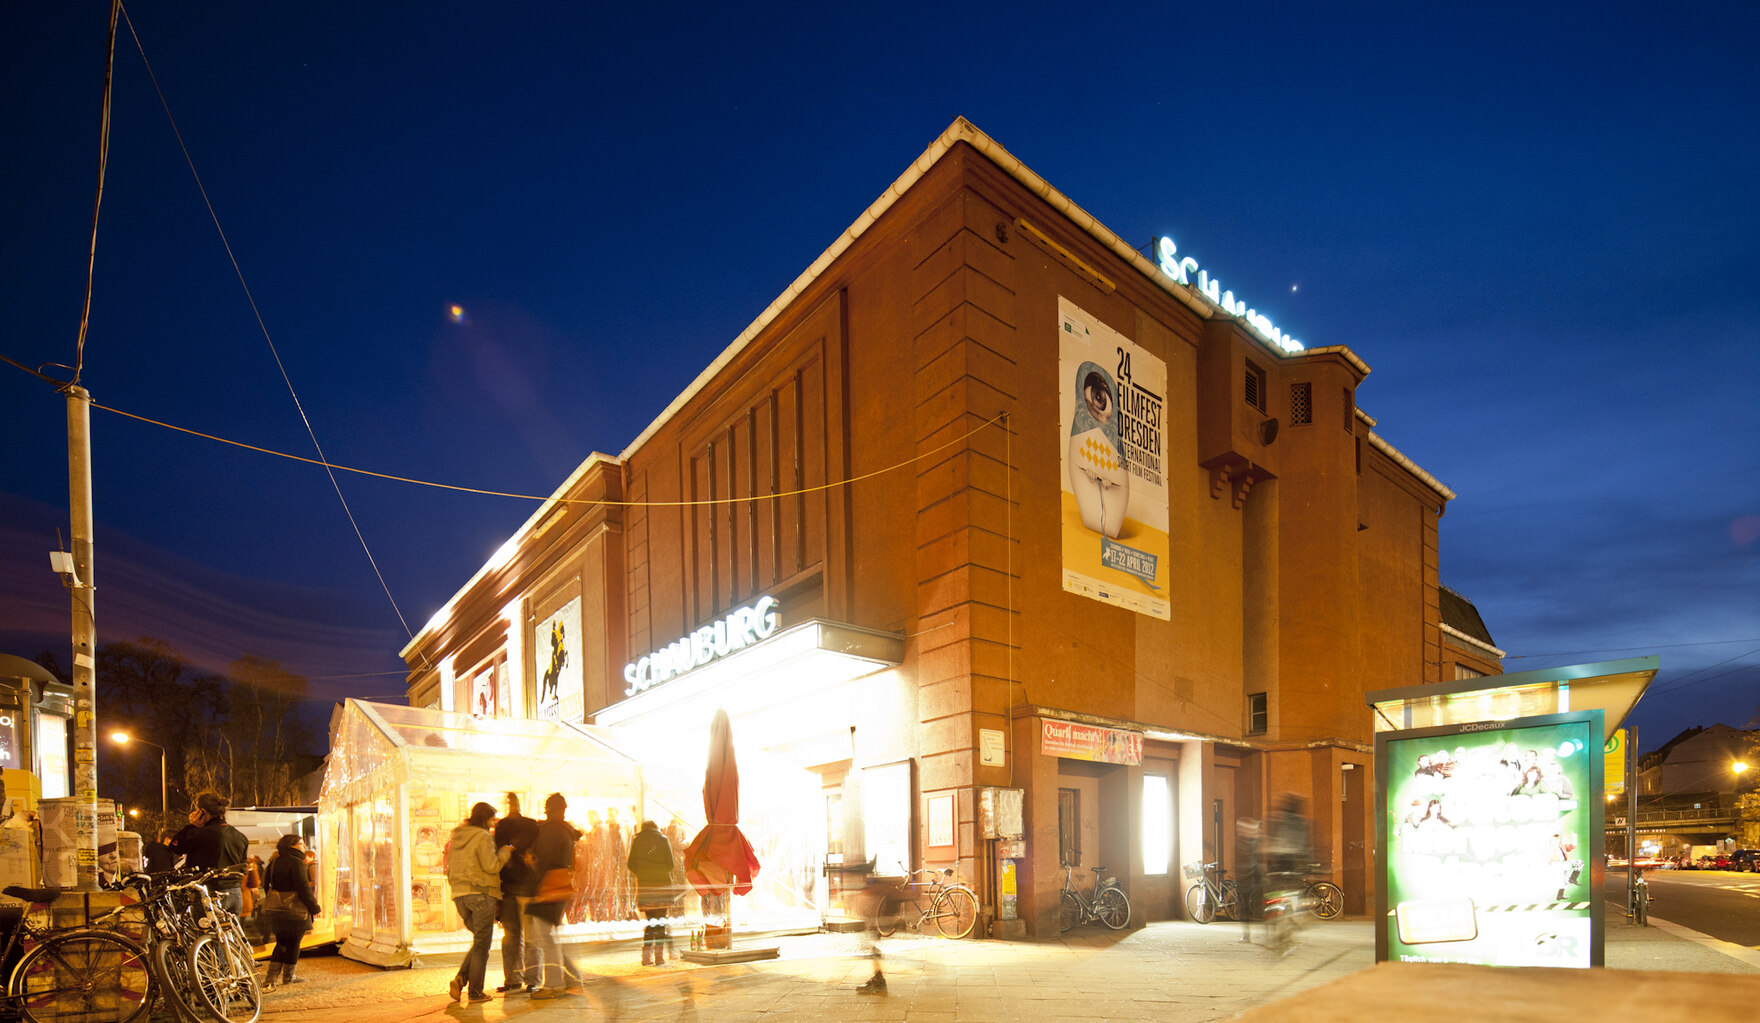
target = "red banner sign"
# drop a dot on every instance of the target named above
(1090, 742)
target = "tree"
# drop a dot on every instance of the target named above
(267, 732)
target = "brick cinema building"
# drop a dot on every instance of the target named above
(989, 500)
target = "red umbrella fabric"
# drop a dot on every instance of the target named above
(720, 857)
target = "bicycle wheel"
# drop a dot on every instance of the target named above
(888, 914)
(1328, 900)
(83, 977)
(1113, 909)
(1231, 900)
(226, 987)
(1198, 904)
(170, 961)
(956, 912)
(1069, 911)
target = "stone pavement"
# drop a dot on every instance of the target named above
(1172, 972)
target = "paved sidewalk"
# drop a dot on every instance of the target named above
(1174, 972)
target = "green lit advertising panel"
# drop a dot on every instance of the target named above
(1489, 842)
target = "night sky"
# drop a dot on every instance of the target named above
(1537, 223)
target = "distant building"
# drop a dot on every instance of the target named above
(989, 499)
(1699, 761)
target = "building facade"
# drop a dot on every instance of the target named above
(987, 500)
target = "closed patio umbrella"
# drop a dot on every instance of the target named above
(720, 860)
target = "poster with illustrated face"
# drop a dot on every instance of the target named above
(1113, 448)
(483, 703)
(1490, 842)
(561, 682)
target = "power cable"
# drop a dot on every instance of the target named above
(251, 299)
(562, 500)
(85, 313)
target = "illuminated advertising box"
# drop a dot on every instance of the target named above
(1489, 842)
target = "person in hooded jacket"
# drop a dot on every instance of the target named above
(548, 973)
(650, 860)
(473, 866)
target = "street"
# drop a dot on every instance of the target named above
(1718, 903)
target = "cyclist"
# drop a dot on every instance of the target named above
(1288, 852)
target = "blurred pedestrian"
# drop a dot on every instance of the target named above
(1249, 884)
(878, 900)
(650, 860)
(288, 908)
(515, 833)
(473, 867)
(552, 855)
(1288, 854)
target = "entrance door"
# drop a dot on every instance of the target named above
(1355, 846)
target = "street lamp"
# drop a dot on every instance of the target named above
(121, 738)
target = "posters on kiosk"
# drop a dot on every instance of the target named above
(1113, 446)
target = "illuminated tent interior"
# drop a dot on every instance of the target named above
(399, 779)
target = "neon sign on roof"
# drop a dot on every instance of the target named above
(1181, 269)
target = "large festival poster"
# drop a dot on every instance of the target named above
(1490, 842)
(1113, 446)
(561, 682)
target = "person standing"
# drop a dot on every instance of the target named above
(209, 842)
(157, 857)
(515, 833)
(473, 867)
(288, 907)
(547, 971)
(650, 860)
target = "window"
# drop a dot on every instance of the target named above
(1069, 828)
(1157, 824)
(1461, 672)
(1350, 411)
(1255, 392)
(1258, 714)
(1301, 404)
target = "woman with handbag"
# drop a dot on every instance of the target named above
(548, 972)
(288, 907)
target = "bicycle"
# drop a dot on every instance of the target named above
(951, 904)
(1323, 898)
(199, 955)
(1107, 902)
(80, 975)
(1214, 890)
(1638, 902)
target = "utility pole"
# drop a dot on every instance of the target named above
(85, 630)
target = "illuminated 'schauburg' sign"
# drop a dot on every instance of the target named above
(1182, 269)
(738, 630)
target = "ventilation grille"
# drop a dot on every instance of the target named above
(1301, 404)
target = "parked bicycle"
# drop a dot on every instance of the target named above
(1214, 892)
(1323, 898)
(200, 958)
(84, 974)
(1106, 903)
(949, 903)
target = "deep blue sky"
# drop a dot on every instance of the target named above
(1536, 222)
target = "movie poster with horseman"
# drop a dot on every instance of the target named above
(561, 680)
(1113, 445)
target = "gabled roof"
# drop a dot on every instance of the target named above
(1459, 613)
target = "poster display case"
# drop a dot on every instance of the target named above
(1489, 842)
(400, 779)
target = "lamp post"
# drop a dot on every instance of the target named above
(123, 739)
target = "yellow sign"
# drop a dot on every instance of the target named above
(1614, 771)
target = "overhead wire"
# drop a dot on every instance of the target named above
(603, 502)
(322, 459)
(85, 313)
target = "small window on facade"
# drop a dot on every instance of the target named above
(1069, 827)
(1301, 404)
(1461, 672)
(1359, 456)
(1255, 392)
(1350, 411)
(1258, 714)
